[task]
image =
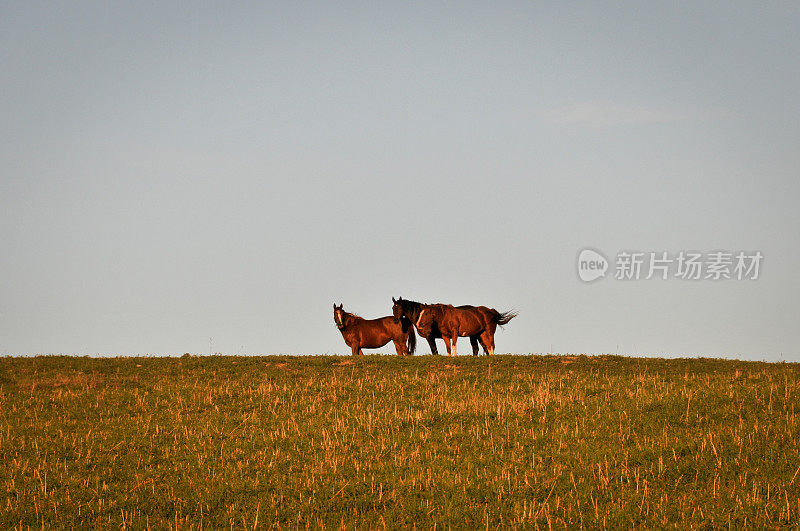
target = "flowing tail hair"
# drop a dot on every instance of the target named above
(504, 317)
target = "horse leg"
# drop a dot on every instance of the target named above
(485, 350)
(432, 343)
(455, 338)
(474, 342)
(447, 345)
(355, 349)
(399, 347)
(488, 341)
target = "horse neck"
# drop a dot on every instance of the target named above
(413, 310)
(350, 319)
(438, 310)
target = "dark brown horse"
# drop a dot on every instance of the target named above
(361, 333)
(448, 322)
(410, 309)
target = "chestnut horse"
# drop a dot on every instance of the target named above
(410, 309)
(448, 322)
(361, 333)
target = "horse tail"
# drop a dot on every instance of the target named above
(504, 317)
(412, 338)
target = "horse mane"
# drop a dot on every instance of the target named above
(348, 314)
(349, 318)
(411, 307)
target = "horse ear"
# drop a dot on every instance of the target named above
(393, 300)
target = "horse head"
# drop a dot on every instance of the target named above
(338, 316)
(397, 307)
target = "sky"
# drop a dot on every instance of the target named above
(212, 177)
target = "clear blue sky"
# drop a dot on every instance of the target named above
(173, 173)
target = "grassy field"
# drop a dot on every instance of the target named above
(379, 441)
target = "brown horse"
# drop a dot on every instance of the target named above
(448, 322)
(410, 309)
(361, 333)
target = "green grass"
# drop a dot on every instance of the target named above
(511, 441)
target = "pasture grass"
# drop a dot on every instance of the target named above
(380, 441)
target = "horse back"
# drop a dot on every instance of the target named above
(462, 321)
(375, 333)
(389, 324)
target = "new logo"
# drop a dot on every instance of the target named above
(591, 265)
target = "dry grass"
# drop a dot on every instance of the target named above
(513, 441)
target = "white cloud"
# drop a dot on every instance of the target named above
(607, 114)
